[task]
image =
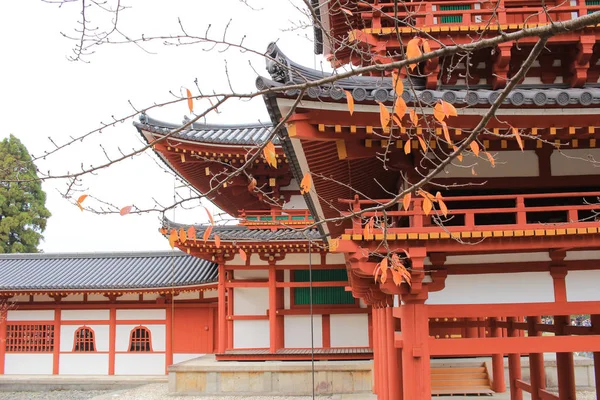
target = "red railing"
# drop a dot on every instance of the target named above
(500, 12)
(256, 219)
(484, 213)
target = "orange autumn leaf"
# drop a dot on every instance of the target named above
(243, 255)
(80, 200)
(448, 109)
(440, 200)
(446, 133)
(163, 231)
(414, 118)
(173, 238)
(190, 101)
(210, 217)
(125, 210)
(474, 148)
(191, 233)
(427, 205)
(413, 50)
(397, 83)
(306, 184)
(515, 132)
(217, 241)
(396, 120)
(207, 232)
(490, 159)
(406, 201)
(407, 147)
(438, 112)
(384, 270)
(400, 108)
(423, 144)
(459, 156)
(252, 185)
(182, 235)
(270, 156)
(426, 47)
(384, 115)
(396, 277)
(350, 101)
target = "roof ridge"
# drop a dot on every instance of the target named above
(99, 254)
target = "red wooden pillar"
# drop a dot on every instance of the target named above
(395, 388)
(272, 308)
(280, 305)
(112, 339)
(169, 333)
(376, 355)
(385, 384)
(3, 315)
(514, 364)
(221, 310)
(56, 358)
(499, 385)
(416, 371)
(536, 362)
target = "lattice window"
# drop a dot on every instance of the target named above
(84, 340)
(322, 295)
(140, 340)
(29, 338)
(453, 19)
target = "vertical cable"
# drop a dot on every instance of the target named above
(312, 331)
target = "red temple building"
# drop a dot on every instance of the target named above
(500, 276)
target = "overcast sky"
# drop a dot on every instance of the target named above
(45, 95)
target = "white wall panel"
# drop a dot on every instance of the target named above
(20, 298)
(28, 364)
(335, 258)
(73, 297)
(84, 315)
(349, 330)
(574, 162)
(83, 364)
(583, 255)
(67, 336)
(187, 296)
(159, 313)
(523, 287)
(583, 285)
(251, 274)
(181, 357)
(129, 297)
(497, 258)
(508, 164)
(296, 202)
(96, 297)
(139, 364)
(30, 315)
(250, 301)
(301, 259)
(211, 294)
(41, 298)
(248, 334)
(150, 296)
(157, 332)
(297, 331)
(286, 291)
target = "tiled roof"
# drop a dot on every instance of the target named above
(370, 88)
(88, 271)
(242, 134)
(242, 233)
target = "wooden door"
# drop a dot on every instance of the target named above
(193, 330)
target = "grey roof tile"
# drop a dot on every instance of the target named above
(103, 271)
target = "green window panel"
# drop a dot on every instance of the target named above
(592, 2)
(322, 295)
(453, 19)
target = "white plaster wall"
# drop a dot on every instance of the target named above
(362, 303)
(83, 364)
(129, 297)
(96, 297)
(73, 297)
(211, 294)
(20, 298)
(242, 274)
(297, 331)
(583, 285)
(296, 203)
(301, 259)
(84, 315)
(523, 287)
(30, 315)
(248, 334)
(286, 291)
(42, 297)
(158, 336)
(497, 258)
(508, 164)
(150, 296)
(158, 314)
(292, 186)
(574, 162)
(67, 337)
(335, 258)
(29, 364)
(139, 364)
(349, 330)
(250, 301)
(583, 255)
(187, 296)
(181, 357)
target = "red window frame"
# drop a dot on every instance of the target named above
(84, 343)
(30, 338)
(140, 340)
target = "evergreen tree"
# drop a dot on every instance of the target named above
(23, 213)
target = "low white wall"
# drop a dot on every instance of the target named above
(181, 357)
(159, 314)
(248, 334)
(250, 301)
(67, 336)
(83, 364)
(523, 287)
(84, 315)
(157, 332)
(139, 364)
(30, 315)
(349, 330)
(28, 364)
(583, 285)
(297, 331)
